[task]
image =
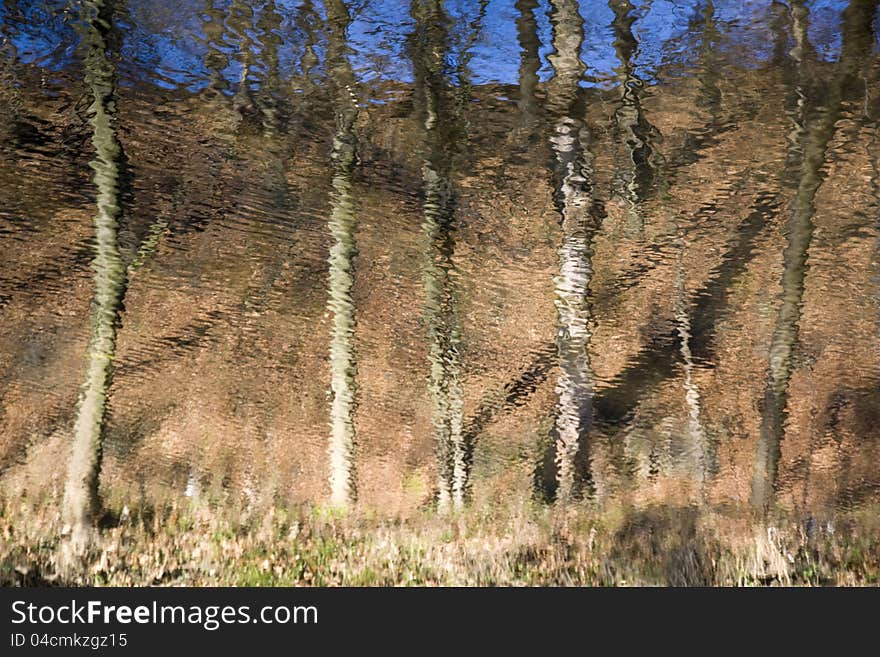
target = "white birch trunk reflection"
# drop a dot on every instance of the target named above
(343, 368)
(573, 196)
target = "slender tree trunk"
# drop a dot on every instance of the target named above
(342, 223)
(215, 60)
(81, 502)
(696, 448)
(794, 272)
(307, 21)
(444, 340)
(440, 143)
(530, 63)
(817, 130)
(632, 183)
(695, 457)
(10, 95)
(636, 176)
(271, 88)
(240, 22)
(573, 197)
(709, 97)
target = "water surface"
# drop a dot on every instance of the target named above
(402, 253)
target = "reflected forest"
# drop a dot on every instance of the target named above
(453, 292)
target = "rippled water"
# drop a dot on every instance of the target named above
(403, 252)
